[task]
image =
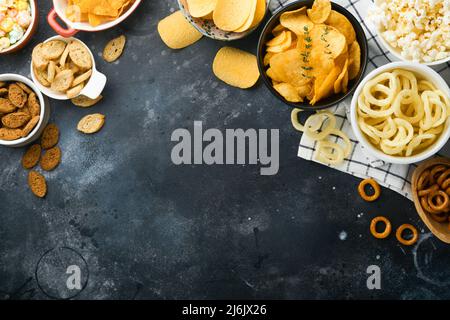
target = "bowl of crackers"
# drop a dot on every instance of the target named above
(64, 68)
(24, 111)
(223, 19)
(312, 54)
(431, 195)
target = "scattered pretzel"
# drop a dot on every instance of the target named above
(399, 234)
(374, 185)
(387, 229)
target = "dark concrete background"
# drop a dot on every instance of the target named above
(143, 228)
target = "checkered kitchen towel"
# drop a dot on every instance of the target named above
(393, 176)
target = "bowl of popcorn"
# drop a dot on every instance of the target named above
(417, 31)
(18, 23)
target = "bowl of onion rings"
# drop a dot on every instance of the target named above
(400, 112)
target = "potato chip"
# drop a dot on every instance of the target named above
(288, 92)
(278, 29)
(248, 23)
(279, 39)
(345, 83)
(290, 68)
(319, 11)
(323, 89)
(328, 39)
(176, 32)
(283, 46)
(273, 75)
(297, 21)
(201, 8)
(96, 12)
(355, 60)
(267, 58)
(260, 12)
(230, 15)
(338, 83)
(304, 90)
(236, 67)
(341, 23)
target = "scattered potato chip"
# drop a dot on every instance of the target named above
(230, 15)
(201, 8)
(297, 21)
(114, 49)
(355, 60)
(319, 11)
(91, 123)
(85, 102)
(177, 32)
(236, 67)
(341, 23)
(289, 92)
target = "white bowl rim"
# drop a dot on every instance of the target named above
(50, 93)
(432, 76)
(397, 54)
(27, 33)
(84, 26)
(19, 78)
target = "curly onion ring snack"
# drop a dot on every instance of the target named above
(387, 229)
(399, 234)
(321, 127)
(401, 114)
(374, 185)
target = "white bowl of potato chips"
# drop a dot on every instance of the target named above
(64, 68)
(222, 19)
(400, 112)
(83, 15)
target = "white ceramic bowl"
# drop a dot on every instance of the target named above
(209, 29)
(397, 53)
(94, 86)
(426, 73)
(59, 10)
(45, 112)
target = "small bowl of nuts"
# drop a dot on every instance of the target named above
(24, 111)
(64, 68)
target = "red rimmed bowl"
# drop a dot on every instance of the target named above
(59, 10)
(28, 34)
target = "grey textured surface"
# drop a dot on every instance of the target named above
(149, 229)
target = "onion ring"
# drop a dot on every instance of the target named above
(387, 229)
(374, 185)
(399, 232)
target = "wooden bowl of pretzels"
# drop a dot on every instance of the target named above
(431, 194)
